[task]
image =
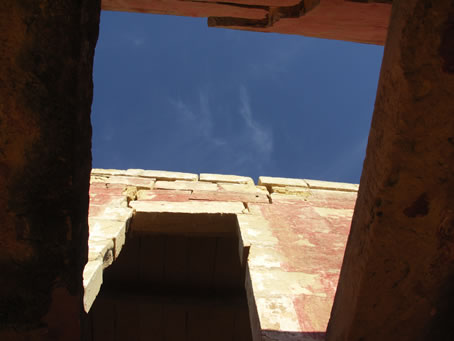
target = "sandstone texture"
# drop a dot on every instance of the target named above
(358, 21)
(288, 250)
(397, 278)
(46, 58)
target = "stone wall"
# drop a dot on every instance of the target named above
(46, 58)
(365, 22)
(171, 235)
(398, 274)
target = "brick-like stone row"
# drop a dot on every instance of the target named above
(109, 218)
(290, 282)
(156, 174)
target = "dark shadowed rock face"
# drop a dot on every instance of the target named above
(397, 278)
(46, 57)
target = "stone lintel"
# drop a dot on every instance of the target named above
(156, 174)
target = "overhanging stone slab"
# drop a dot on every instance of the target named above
(334, 186)
(156, 174)
(191, 207)
(184, 224)
(186, 185)
(226, 178)
(276, 181)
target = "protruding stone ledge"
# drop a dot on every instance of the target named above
(192, 207)
(92, 281)
(229, 196)
(186, 185)
(333, 186)
(242, 188)
(269, 181)
(139, 182)
(293, 185)
(109, 230)
(156, 174)
(184, 224)
(226, 178)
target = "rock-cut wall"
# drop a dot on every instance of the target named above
(364, 22)
(46, 58)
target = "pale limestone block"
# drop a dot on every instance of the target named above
(278, 197)
(157, 174)
(186, 185)
(291, 190)
(243, 188)
(101, 171)
(92, 281)
(101, 249)
(226, 178)
(114, 213)
(162, 175)
(335, 186)
(109, 229)
(99, 178)
(273, 181)
(195, 207)
(125, 180)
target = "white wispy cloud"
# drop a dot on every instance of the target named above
(261, 137)
(136, 39)
(199, 121)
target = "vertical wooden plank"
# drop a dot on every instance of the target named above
(176, 260)
(103, 315)
(126, 266)
(196, 324)
(127, 320)
(228, 271)
(151, 260)
(175, 323)
(222, 325)
(201, 262)
(151, 322)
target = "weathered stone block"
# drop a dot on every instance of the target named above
(139, 182)
(230, 196)
(226, 178)
(334, 186)
(109, 229)
(186, 185)
(100, 248)
(92, 281)
(158, 175)
(192, 207)
(247, 188)
(273, 181)
(110, 213)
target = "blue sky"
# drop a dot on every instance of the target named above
(172, 94)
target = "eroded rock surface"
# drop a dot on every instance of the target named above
(398, 273)
(46, 56)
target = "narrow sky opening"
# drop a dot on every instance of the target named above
(172, 94)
